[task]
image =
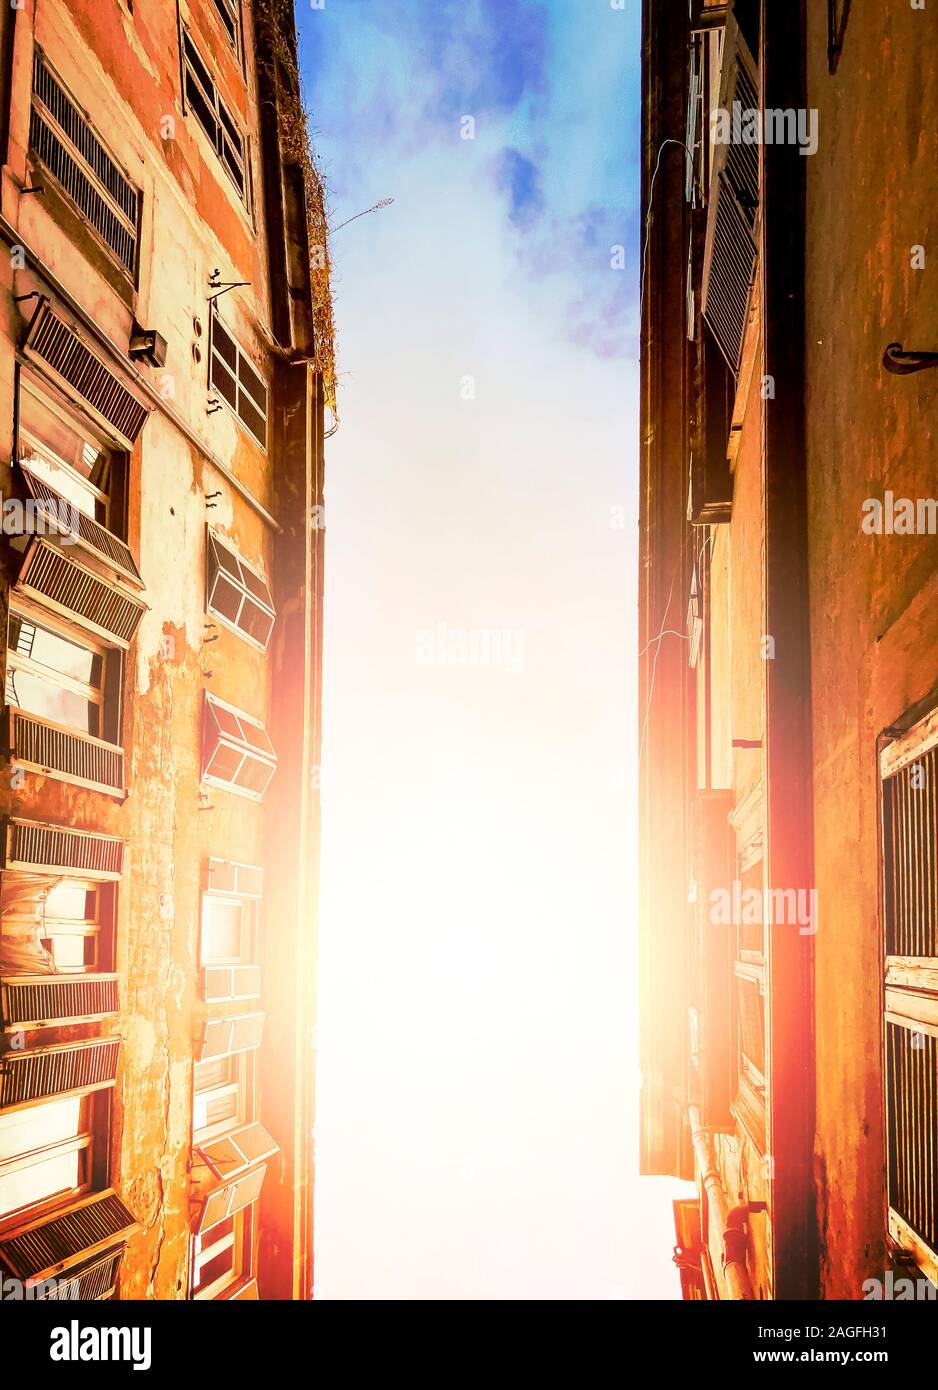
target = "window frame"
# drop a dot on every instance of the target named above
(130, 274)
(92, 1137)
(239, 1081)
(249, 597)
(247, 750)
(217, 105)
(241, 1242)
(234, 35)
(107, 698)
(241, 356)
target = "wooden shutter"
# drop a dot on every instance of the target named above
(909, 827)
(62, 139)
(226, 983)
(44, 1248)
(39, 745)
(232, 1154)
(236, 1033)
(69, 1069)
(80, 593)
(229, 1198)
(36, 845)
(90, 535)
(59, 351)
(37, 1000)
(732, 223)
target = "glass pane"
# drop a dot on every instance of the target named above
(72, 901)
(50, 701)
(221, 929)
(58, 444)
(224, 764)
(221, 1265)
(72, 952)
(25, 1130)
(212, 1108)
(256, 623)
(55, 652)
(255, 775)
(213, 1073)
(39, 1181)
(226, 599)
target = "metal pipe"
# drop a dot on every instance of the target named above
(726, 1223)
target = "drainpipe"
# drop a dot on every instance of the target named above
(728, 1223)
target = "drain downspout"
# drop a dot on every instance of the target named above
(728, 1223)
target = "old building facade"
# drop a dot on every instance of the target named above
(788, 632)
(161, 401)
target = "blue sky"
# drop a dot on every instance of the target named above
(477, 1088)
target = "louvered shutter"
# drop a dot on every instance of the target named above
(68, 1240)
(732, 222)
(909, 815)
(41, 1073)
(60, 351)
(36, 845)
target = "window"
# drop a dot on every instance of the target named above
(223, 1255)
(64, 142)
(56, 446)
(53, 674)
(749, 967)
(909, 831)
(46, 1153)
(204, 100)
(237, 595)
(237, 381)
(52, 923)
(236, 752)
(222, 1096)
(63, 701)
(230, 18)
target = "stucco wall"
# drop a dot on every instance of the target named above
(871, 198)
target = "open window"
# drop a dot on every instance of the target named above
(63, 692)
(58, 1216)
(223, 1258)
(908, 772)
(237, 594)
(56, 949)
(206, 103)
(237, 753)
(236, 379)
(230, 16)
